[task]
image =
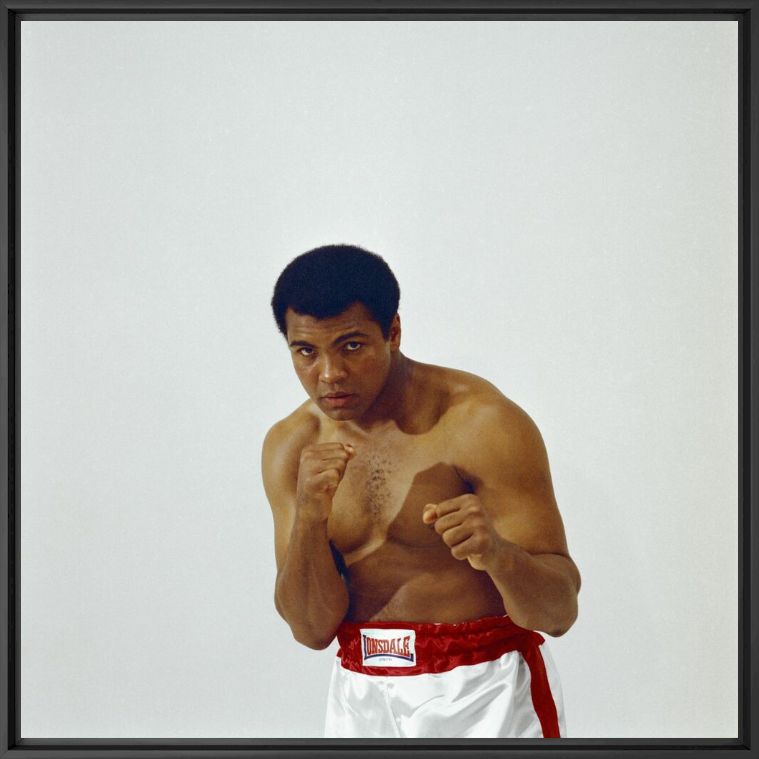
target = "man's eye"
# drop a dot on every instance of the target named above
(352, 346)
(307, 352)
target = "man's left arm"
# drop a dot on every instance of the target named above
(510, 526)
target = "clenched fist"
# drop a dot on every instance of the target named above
(465, 528)
(321, 469)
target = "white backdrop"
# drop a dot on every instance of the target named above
(558, 201)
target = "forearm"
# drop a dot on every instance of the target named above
(310, 594)
(539, 591)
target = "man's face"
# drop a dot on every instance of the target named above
(343, 361)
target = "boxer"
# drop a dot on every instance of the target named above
(415, 521)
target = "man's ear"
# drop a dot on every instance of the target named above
(394, 335)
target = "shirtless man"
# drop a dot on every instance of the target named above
(414, 519)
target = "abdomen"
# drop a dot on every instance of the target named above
(427, 584)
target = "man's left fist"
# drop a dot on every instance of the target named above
(465, 528)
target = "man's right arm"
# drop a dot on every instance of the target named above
(300, 481)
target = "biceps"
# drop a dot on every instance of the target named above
(529, 519)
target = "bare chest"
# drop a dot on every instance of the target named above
(383, 494)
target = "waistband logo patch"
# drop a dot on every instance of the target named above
(388, 648)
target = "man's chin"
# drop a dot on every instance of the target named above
(341, 414)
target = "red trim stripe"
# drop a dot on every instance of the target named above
(540, 688)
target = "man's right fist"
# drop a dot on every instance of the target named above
(322, 466)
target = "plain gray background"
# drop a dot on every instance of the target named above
(559, 203)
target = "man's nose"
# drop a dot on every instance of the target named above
(332, 370)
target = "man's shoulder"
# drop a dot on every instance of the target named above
(487, 434)
(470, 396)
(287, 437)
(477, 408)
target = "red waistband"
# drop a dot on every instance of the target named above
(425, 647)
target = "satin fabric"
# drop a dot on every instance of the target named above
(439, 646)
(482, 679)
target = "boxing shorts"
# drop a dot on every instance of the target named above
(487, 678)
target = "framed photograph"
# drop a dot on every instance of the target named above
(566, 193)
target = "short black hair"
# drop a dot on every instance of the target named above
(325, 281)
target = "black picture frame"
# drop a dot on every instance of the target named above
(746, 12)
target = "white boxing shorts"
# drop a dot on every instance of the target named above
(488, 678)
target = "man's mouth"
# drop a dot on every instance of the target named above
(337, 400)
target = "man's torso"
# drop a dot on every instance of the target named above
(397, 567)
